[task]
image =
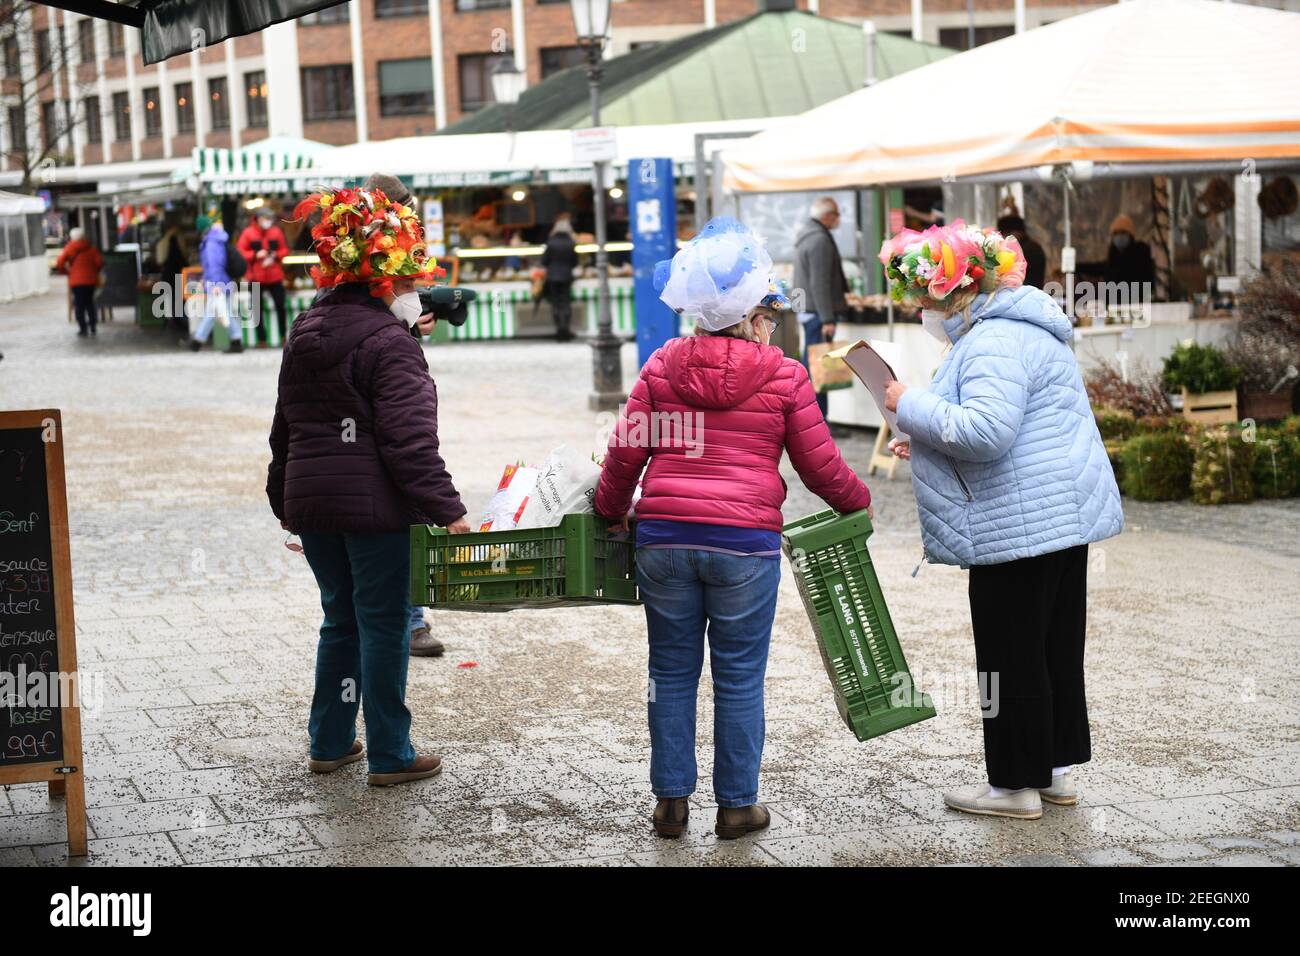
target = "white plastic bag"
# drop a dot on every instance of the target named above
(566, 484)
(506, 506)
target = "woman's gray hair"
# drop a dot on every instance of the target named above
(562, 225)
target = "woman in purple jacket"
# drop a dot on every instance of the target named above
(355, 463)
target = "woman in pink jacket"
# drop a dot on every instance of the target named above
(711, 414)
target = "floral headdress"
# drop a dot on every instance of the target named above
(929, 267)
(363, 236)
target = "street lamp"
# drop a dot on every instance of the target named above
(591, 24)
(508, 83)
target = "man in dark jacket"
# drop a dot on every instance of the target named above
(354, 462)
(559, 260)
(819, 278)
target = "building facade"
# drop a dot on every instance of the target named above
(76, 92)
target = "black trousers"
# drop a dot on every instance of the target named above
(83, 307)
(558, 294)
(276, 291)
(1029, 618)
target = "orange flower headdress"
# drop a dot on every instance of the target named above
(363, 236)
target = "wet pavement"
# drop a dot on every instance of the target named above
(201, 627)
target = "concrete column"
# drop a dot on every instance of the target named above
(199, 97)
(234, 90)
(166, 103)
(518, 37)
(283, 82)
(106, 128)
(439, 80)
(77, 129)
(133, 91)
(359, 71)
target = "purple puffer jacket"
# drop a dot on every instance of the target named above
(354, 445)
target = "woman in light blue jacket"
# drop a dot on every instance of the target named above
(1012, 481)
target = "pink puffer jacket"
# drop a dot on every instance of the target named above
(712, 414)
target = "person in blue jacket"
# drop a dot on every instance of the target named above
(218, 289)
(1012, 481)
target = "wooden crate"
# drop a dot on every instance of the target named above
(1210, 408)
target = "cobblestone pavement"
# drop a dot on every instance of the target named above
(202, 627)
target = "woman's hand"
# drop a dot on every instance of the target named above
(901, 449)
(426, 323)
(459, 526)
(893, 392)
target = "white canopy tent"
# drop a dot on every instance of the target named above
(23, 268)
(488, 158)
(1146, 82)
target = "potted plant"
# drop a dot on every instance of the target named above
(1207, 381)
(1267, 345)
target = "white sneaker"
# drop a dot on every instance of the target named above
(1062, 792)
(1024, 805)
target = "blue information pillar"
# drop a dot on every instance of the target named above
(652, 206)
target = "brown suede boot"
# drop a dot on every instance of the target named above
(735, 822)
(417, 769)
(329, 766)
(671, 814)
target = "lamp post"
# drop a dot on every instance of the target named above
(591, 24)
(508, 83)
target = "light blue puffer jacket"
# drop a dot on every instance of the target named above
(1007, 462)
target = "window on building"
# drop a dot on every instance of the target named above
(86, 40)
(218, 103)
(958, 38)
(17, 129)
(404, 8)
(327, 93)
(122, 117)
(184, 107)
(152, 111)
(557, 58)
(476, 79)
(255, 98)
(11, 55)
(116, 39)
(91, 119)
(42, 49)
(49, 123)
(405, 87)
(468, 5)
(338, 14)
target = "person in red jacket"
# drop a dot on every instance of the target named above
(711, 415)
(81, 262)
(263, 244)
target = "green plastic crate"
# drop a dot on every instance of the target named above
(578, 563)
(859, 646)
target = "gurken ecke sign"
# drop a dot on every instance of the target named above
(40, 716)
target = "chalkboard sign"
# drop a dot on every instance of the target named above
(40, 717)
(121, 277)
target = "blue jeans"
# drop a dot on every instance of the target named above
(685, 591)
(812, 335)
(218, 300)
(415, 619)
(363, 652)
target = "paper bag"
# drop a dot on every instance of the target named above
(828, 372)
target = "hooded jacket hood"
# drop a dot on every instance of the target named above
(1021, 304)
(336, 324)
(718, 371)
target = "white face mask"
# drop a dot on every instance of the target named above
(407, 307)
(932, 321)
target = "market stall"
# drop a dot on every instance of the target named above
(24, 270)
(1183, 117)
